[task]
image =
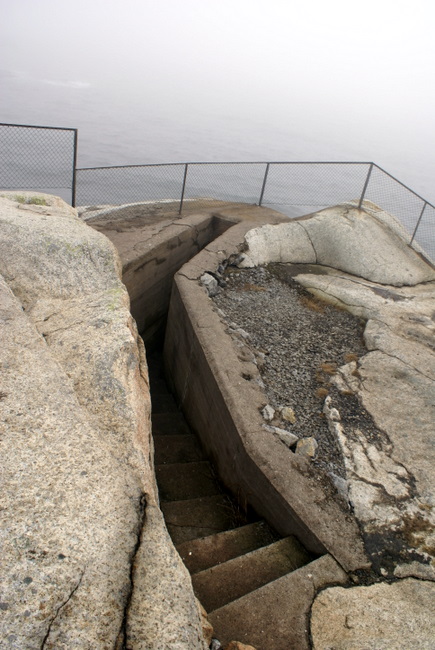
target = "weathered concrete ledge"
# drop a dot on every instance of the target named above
(380, 278)
(222, 400)
(153, 242)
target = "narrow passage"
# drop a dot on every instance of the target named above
(229, 553)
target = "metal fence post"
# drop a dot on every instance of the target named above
(365, 186)
(418, 223)
(74, 176)
(264, 184)
(184, 187)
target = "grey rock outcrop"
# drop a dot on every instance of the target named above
(210, 283)
(371, 246)
(390, 477)
(381, 617)
(83, 540)
(307, 447)
(365, 266)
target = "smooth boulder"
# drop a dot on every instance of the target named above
(83, 541)
(379, 617)
(371, 245)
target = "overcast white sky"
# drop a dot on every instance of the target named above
(360, 73)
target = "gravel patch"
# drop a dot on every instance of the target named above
(298, 343)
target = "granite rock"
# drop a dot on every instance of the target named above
(82, 536)
(379, 617)
(286, 437)
(307, 447)
(390, 477)
(364, 265)
(268, 412)
(210, 284)
(70, 514)
(332, 236)
(288, 414)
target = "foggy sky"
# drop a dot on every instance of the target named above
(356, 77)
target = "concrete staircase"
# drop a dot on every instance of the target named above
(237, 562)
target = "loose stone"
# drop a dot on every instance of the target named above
(286, 437)
(307, 447)
(288, 414)
(268, 412)
(210, 283)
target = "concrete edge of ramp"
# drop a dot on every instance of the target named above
(153, 247)
(219, 395)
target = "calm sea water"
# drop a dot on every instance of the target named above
(138, 127)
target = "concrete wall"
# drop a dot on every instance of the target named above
(148, 277)
(210, 381)
(154, 242)
(224, 409)
(207, 406)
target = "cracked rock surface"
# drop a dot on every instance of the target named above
(78, 523)
(368, 243)
(372, 360)
(297, 343)
(381, 617)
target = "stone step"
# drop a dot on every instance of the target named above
(169, 424)
(163, 402)
(156, 369)
(193, 518)
(243, 576)
(221, 584)
(180, 481)
(159, 386)
(205, 552)
(276, 615)
(176, 449)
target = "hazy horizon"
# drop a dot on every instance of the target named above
(240, 80)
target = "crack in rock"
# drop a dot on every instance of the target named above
(50, 625)
(122, 636)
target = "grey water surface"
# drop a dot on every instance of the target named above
(132, 124)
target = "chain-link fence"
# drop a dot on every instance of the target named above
(415, 213)
(44, 159)
(129, 184)
(301, 187)
(293, 188)
(39, 158)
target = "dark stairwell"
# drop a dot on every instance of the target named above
(230, 553)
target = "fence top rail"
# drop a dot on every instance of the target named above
(176, 164)
(405, 186)
(258, 162)
(235, 162)
(33, 126)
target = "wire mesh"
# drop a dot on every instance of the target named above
(43, 159)
(394, 198)
(425, 234)
(238, 182)
(37, 158)
(118, 185)
(293, 188)
(297, 188)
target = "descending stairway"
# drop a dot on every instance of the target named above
(231, 557)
